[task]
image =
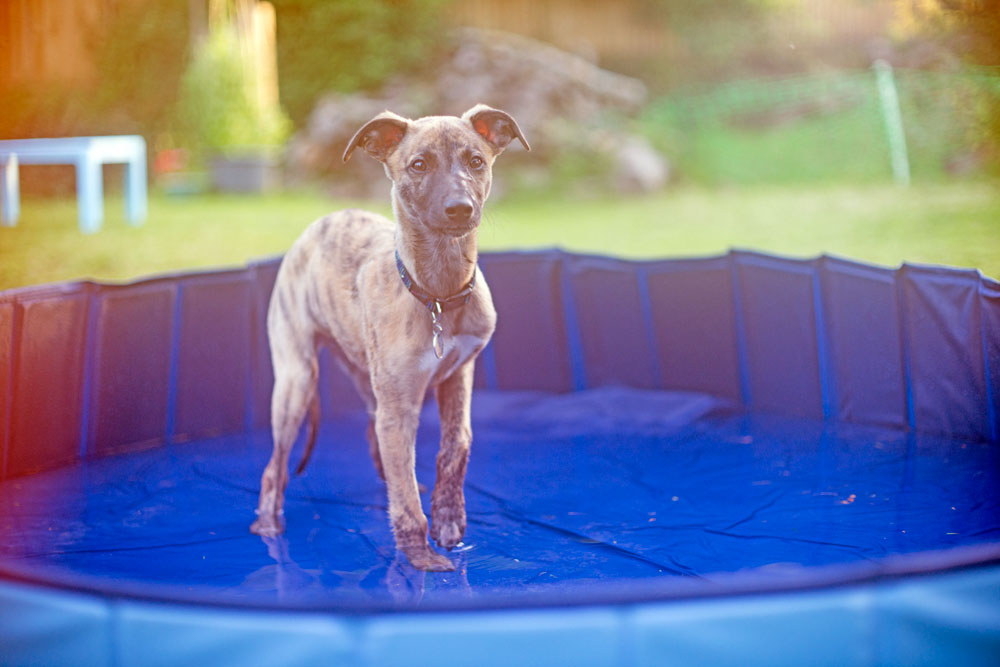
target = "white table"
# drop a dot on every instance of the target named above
(87, 154)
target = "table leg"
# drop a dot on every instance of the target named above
(135, 190)
(10, 192)
(89, 194)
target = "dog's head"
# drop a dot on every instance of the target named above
(441, 166)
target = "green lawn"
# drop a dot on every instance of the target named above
(947, 223)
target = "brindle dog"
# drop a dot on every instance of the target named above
(404, 308)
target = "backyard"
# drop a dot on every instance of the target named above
(951, 223)
(795, 159)
(159, 157)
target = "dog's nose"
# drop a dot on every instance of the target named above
(458, 210)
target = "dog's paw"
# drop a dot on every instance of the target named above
(448, 535)
(447, 526)
(267, 526)
(426, 559)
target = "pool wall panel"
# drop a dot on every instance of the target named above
(942, 312)
(953, 619)
(530, 345)
(336, 389)
(263, 277)
(572, 636)
(989, 294)
(228, 637)
(777, 307)
(51, 627)
(615, 345)
(759, 631)
(693, 325)
(48, 382)
(213, 349)
(132, 359)
(7, 334)
(865, 348)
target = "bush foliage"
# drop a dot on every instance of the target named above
(349, 45)
(141, 56)
(215, 112)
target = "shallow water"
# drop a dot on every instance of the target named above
(595, 490)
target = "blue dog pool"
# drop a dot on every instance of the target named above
(742, 459)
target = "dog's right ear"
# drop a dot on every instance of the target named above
(379, 136)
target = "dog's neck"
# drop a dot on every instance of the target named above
(441, 265)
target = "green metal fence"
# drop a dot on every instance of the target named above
(838, 127)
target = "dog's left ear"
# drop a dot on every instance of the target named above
(379, 136)
(497, 127)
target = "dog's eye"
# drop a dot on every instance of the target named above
(418, 165)
(476, 162)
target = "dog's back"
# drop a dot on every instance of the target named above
(316, 293)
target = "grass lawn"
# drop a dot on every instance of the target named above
(949, 223)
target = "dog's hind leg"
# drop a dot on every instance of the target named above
(373, 447)
(313, 430)
(294, 389)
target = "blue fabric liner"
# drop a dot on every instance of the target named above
(592, 488)
(644, 431)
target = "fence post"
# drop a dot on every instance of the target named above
(893, 118)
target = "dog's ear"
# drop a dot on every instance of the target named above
(497, 127)
(379, 136)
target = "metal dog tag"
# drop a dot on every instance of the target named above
(437, 342)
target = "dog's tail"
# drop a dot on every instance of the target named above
(311, 435)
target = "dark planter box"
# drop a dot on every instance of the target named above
(246, 173)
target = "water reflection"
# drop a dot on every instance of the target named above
(390, 579)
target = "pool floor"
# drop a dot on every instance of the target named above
(565, 493)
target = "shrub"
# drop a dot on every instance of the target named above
(350, 45)
(141, 55)
(215, 111)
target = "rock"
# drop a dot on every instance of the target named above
(533, 81)
(559, 100)
(318, 149)
(639, 167)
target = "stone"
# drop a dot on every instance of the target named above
(561, 101)
(639, 167)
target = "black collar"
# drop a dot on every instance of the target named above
(430, 302)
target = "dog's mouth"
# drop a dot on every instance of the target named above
(458, 230)
(457, 218)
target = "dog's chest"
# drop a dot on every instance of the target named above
(457, 350)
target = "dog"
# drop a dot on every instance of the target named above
(405, 310)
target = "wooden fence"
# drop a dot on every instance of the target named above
(593, 28)
(49, 42)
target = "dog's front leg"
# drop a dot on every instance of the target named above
(448, 500)
(396, 419)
